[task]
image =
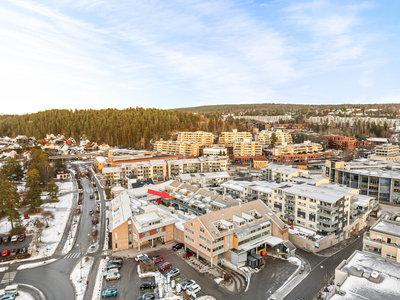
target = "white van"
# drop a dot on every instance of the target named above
(11, 289)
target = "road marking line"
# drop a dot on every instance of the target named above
(8, 277)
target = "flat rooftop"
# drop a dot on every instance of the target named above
(386, 226)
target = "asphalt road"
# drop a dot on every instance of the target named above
(319, 275)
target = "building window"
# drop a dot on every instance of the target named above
(189, 231)
(189, 238)
(201, 230)
(202, 238)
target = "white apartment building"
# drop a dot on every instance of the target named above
(386, 152)
(228, 138)
(200, 137)
(247, 148)
(264, 137)
(353, 120)
(293, 149)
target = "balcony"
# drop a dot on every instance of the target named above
(218, 251)
(217, 244)
(291, 204)
(289, 217)
(374, 205)
(327, 228)
(353, 212)
(328, 208)
(184, 205)
(322, 214)
(374, 243)
(328, 222)
(289, 197)
(363, 210)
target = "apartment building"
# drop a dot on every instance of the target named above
(215, 151)
(228, 138)
(371, 178)
(387, 152)
(198, 165)
(116, 161)
(212, 179)
(383, 239)
(230, 235)
(354, 120)
(112, 176)
(340, 142)
(245, 151)
(298, 153)
(177, 148)
(282, 137)
(156, 170)
(266, 119)
(365, 276)
(323, 208)
(260, 162)
(199, 137)
(134, 224)
(279, 173)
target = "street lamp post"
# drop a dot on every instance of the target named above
(326, 276)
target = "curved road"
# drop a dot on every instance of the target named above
(54, 279)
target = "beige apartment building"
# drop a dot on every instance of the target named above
(383, 239)
(264, 137)
(305, 148)
(247, 148)
(200, 137)
(387, 152)
(198, 165)
(177, 148)
(228, 138)
(230, 235)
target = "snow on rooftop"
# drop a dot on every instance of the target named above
(389, 227)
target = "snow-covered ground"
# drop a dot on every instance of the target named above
(78, 282)
(99, 280)
(37, 264)
(305, 233)
(51, 236)
(71, 236)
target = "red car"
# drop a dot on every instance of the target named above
(165, 266)
(21, 238)
(5, 253)
(158, 258)
(95, 221)
(188, 254)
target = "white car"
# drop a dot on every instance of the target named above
(187, 284)
(113, 276)
(114, 270)
(138, 258)
(14, 238)
(193, 289)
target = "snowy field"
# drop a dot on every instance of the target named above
(51, 236)
(80, 285)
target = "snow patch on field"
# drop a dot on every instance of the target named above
(37, 264)
(80, 284)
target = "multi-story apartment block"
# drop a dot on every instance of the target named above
(369, 177)
(112, 176)
(246, 151)
(383, 239)
(264, 137)
(177, 148)
(199, 137)
(229, 236)
(155, 170)
(353, 120)
(340, 142)
(297, 153)
(324, 208)
(387, 152)
(198, 165)
(260, 162)
(212, 179)
(228, 138)
(279, 173)
(215, 151)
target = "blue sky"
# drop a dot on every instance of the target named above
(167, 54)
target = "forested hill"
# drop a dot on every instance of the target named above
(132, 127)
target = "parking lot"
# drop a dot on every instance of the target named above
(13, 245)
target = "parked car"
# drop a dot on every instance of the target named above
(187, 284)
(91, 196)
(8, 297)
(95, 221)
(112, 266)
(147, 296)
(178, 246)
(1, 240)
(15, 251)
(158, 258)
(115, 270)
(22, 237)
(98, 208)
(194, 289)
(164, 266)
(140, 256)
(147, 285)
(117, 260)
(113, 276)
(109, 293)
(23, 251)
(91, 212)
(14, 238)
(187, 254)
(173, 272)
(6, 239)
(5, 253)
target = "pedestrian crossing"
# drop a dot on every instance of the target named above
(73, 255)
(8, 277)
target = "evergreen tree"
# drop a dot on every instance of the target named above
(273, 139)
(12, 170)
(53, 191)
(10, 201)
(34, 191)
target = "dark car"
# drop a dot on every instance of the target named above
(116, 260)
(22, 237)
(23, 251)
(1, 240)
(6, 239)
(147, 296)
(111, 266)
(173, 272)
(165, 266)
(158, 258)
(187, 284)
(178, 246)
(14, 251)
(147, 285)
(188, 253)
